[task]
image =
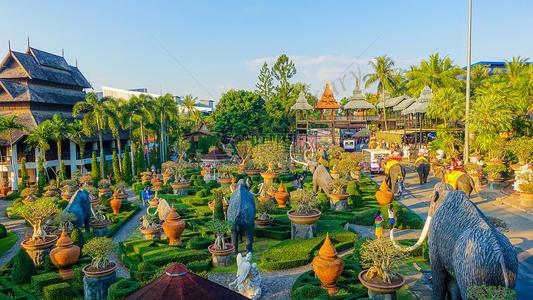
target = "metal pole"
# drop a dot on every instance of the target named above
(468, 63)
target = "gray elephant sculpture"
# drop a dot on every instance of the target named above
(321, 176)
(463, 182)
(80, 205)
(395, 171)
(422, 167)
(465, 249)
(241, 212)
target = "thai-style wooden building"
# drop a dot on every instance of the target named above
(34, 86)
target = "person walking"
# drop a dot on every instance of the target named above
(401, 187)
(391, 216)
(378, 220)
(143, 197)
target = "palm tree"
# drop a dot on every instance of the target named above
(9, 123)
(384, 75)
(127, 110)
(94, 120)
(58, 129)
(447, 104)
(77, 135)
(189, 105)
(516, 69)
(436, 72)
(165, 107)
(112, 110)
(39, 138)
(144, 115)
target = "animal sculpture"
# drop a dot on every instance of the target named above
(422, 167)
(458, 180)
(241, 212)
(80, 205)
(465, 249)
(393, 170)
(321, 176)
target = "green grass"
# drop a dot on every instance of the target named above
(7, 242)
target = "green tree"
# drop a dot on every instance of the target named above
(384, 75)
(112, 119)
(126, 113)
(95, 172)
(23, 174)
(126, 165)
(94, 120)
(143, 115)
(76, 134)
(264, 86)
(23, 268)
(283, 70)
(58, 128)
(192, 113)
(436, 72)
(38, 139)
(10, 123)
(165, 108)
(116, 167)
(238, 113)
(41, 177)
(447, 105)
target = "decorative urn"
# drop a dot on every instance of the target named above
(281, 196)
(383, 195)
(173, 227)
(65, 255)
(328, 266)
(115, 203)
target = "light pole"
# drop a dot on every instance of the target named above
(468, 63)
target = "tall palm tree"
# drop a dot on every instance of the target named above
(112, 110)
(58, 129)
(447, 104)
(436, 72)
(127, 111)
(144, 115)
(39, 139)
(94, 120)
(384, 75)
(77, 135)
(165, 107)
(189, 105)
(10, 123)
(515, 69)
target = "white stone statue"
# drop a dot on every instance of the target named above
(440, 154)
(406, 152)
(248, 281)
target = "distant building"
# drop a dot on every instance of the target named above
(492, 66)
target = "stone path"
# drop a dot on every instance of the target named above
(125, 232)
(19, 227)
(519, 222)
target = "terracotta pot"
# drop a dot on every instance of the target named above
(263, 223)
(269, 175)
(224, 181)
(338, 197)
(526, 199)
(173, 227)
(115, 204)
(225, 252)
(382, 288)
(65, 255)
(383, 195)
(252, 172)
(328, 266)
(150, 233)
(49, 242)
(153, 202)
(98, 274)
(180, 185)
(304, 220)
(281, 196)
(99, 224)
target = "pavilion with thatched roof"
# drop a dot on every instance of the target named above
(357, 103)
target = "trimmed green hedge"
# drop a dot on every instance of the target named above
(45, 279)
(122, 288)
(59, 291)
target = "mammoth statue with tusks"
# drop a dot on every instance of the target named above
(465, 249)
(321, 176)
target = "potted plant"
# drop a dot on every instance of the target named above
(180, 183)
(100, 273)
(337, 190)
(524, 185)
(120, 189)
(521, 148)
(252, 168)
(66, 221)
(281, 196)
(69, 188)
(495, 172)
(93, 194)
(36, 213)
(244, 149)
(380, 259)
(221, 194)
(103, 187)
(28, 195)
(51, 189)
(65, 255)
(226, 173)
(151, 229)
(262, 208)
(304, 213)
(173, 227)
(86, 180)
(220, 250)
(271, 156)
(168, 170)
(99, 223)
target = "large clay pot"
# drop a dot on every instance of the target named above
(224, 181)
(328, 266)
(151, 233)
(221, 258)
(173, 227)
(65, 255)
(115, 204)
(38, 250)
(338, 197)
(384, 196)
(262, 223)
(381, 290)
(304, 220)
(281, 196)
(252, 172)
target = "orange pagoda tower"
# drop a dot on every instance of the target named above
(327, 102)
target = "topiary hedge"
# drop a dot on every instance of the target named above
(45, 279)
(59, 291)
(23, 268)
(122, 288)
(3, 231)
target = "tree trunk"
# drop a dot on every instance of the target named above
(147, 155)
(13, 164)
(102, 157)
(131, 152)
(384, 110)
(119, 145)
(82, 156)
(60, 172)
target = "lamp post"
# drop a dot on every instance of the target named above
(468, 63)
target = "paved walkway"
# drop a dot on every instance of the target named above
(519, 222)
(19, 227)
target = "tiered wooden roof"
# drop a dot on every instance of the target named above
(358, 100)
(301, 103)
(327, 101)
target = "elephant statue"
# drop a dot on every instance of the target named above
(465, 249)
(458, 180)
(241, 212)
(80, 205)
(321, 176)
(393, 170)
(422, 167)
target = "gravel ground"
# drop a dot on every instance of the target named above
(19, 227)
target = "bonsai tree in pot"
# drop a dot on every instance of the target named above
(262, 209)
(303, 203)
(221, 250)
(495, 172)
(244, 149)
(66, 221)
(225, 173)
(69, 188)
(36, 213)
(337, 194)
(103, 187)
(28, 195)
(347, 165)
(100, 273)
(51, 189)
(100, 222)
(151, 227)
(120, 189)
(180, 183)
(380, 259)
(521, 148)
(271, 156)
(252, 168)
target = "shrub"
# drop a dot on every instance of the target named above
(3, 231)
(44, 279)
(322, 201)
(58, 291)
(200, 266)
(23, 268)
(487, 292)
(199, 243)
(122, 288)
(201, 193)
(77, 237)
(166, 255)
(309, 292)
(105, 200)
(144, 272)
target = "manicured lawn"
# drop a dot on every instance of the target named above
(7, 242)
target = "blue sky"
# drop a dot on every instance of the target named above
(206, 47)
